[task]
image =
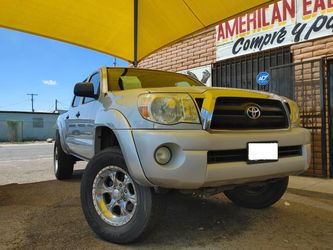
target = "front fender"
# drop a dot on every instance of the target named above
(61, 127)
(117, 122)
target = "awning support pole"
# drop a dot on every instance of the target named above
(135, 62)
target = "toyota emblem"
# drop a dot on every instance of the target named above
(253, 112)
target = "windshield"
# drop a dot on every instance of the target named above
(145, 78)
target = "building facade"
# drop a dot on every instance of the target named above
(292, 40)
(27, 126)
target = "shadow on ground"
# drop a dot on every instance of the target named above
(48, 215)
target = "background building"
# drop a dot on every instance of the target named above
(27, 126)
(292, 40)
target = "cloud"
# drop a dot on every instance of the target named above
(49, 82)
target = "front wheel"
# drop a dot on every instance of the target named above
(115, 206)
(259, 196)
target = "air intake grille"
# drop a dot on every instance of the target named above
(231, 113)
(220, 156)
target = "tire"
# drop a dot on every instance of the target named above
(258, 196)
(63, 163)
(103, 193)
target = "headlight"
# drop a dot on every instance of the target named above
(168, 108)
(294, 114)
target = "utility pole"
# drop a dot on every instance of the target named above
(56, 105)
(32, 101)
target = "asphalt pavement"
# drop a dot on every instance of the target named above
(27, 163)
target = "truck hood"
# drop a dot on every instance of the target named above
(213, 92)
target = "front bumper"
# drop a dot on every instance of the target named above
(188, 167)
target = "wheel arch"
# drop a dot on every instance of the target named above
(104, 138)
(113, 129)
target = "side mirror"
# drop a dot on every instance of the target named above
(84, 89)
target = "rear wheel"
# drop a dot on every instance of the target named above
(259, 196)
(115, 206)
(63, 163)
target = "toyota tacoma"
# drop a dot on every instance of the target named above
(145, 132)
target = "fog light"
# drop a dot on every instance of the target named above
(162, 155)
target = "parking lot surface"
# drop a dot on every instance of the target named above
(27, 163)
(47, 214)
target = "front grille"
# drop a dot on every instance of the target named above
(233, 155)
(230, 113)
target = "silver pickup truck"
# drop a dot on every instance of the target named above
(144, 132)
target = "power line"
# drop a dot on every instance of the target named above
(63, 105)
(14, 104)
(60, 104)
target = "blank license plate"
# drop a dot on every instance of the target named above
(262, 151)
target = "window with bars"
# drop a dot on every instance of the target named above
(241, 72)
(37, 122)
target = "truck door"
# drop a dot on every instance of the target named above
(72, 128)
(86, 121)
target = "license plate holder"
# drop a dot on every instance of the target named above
(260, 152)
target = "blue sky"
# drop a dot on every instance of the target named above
(32, 64)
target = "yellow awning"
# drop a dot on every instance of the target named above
(108, 25)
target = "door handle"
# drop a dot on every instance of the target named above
(78, 114)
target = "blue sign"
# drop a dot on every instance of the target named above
(263, 78)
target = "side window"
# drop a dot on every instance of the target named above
(76, 101)
(95, 81)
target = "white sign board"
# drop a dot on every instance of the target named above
(203, 74)
(279, 24)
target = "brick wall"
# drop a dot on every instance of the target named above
(197, 50)
(307, 84)
(313, 49)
